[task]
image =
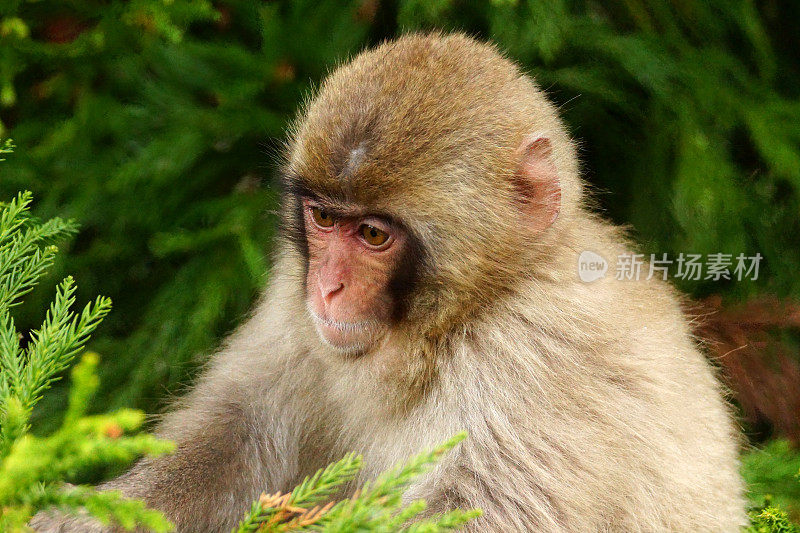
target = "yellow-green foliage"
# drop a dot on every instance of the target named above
(377, 506)
(770, 520)
(34, 470)
(773, 479)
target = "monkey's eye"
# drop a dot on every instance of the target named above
(373, 236)
(321, 217)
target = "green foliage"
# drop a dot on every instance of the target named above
(377, 506)
(7, 147)
(772, 478)
(33, 472)
(33, 469)
(770, 519)
(26, 373)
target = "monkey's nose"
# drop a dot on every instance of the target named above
(329, 290)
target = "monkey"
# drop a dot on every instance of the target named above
(425, 282)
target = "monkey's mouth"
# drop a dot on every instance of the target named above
(345, 335)
(346, 327)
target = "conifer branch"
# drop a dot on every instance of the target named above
(378, 506)
(33, 470)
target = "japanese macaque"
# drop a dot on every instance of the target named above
(426, 283)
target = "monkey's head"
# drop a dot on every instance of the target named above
(423, 182)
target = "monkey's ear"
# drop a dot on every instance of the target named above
(538, 180)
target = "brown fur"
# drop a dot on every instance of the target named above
(588, 406)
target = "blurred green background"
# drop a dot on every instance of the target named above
(156, 125)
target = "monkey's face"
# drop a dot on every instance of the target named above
(467, 183)
(352, 260)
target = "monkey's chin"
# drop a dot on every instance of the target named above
(346, 337)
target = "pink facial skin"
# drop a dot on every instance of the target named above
(347, 284)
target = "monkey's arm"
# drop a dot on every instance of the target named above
(234, 440)
(225, 457)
